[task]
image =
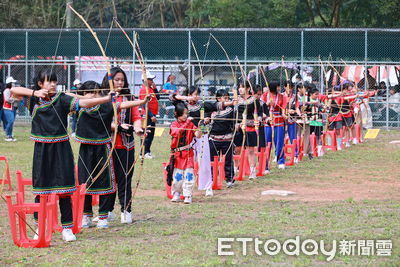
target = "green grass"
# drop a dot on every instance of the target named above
(177, 234)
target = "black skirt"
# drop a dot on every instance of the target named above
(92, 158)
(250, 141)
(53, 168)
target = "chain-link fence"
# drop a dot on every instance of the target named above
(215, 59)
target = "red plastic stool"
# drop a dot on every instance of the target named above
(313, 142)
(333, 145)
(242, 165)
(21, 183)
(17, 216)
(358, 132)
(7, 172)
(218, 167)
(300, 148)
(290, 152)
(78, 202)
(261, 161)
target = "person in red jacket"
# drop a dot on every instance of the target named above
(183, 132)
(152, 112)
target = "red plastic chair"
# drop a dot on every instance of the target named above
(218, 168)
(313, 142)
(333, 144)
(7, 180)
(243, 165)
(18, 222)
(358, 132)
(290, 152)
(21, 183)
(300, 148)
(78, 202)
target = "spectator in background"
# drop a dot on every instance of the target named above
(211, 91)
(152, 112)
(74, 117)
(10, 105)
(394, 103)
(169, 87)
(382, 89)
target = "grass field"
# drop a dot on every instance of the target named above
(348, 195)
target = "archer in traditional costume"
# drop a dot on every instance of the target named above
(247, 136)
(276, 103)
(129, 124)
(183, 131)
(335, 116)
(94, 133)
(222, 132)
(347, 111)
(316, 109)
(293, 113)
(197, 109)
(53, 161)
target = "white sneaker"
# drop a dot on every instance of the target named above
(266, 172)
(103, 223)
(281, 166)
(348, 144)
(275, 159)
(148, 156)
(230, 184)
(14, 139)
(176, 197)
(68, 235)
(188, 200)
(296, 160)
(209, 192)
(126, 217)
(86, 221)
(355, 141)
(111, 217)
(339, 148)
(8, 139)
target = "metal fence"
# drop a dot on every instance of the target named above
(195, 57)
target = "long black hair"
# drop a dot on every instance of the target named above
(114, 71)
(42, 76)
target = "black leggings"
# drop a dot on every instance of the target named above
(123, 160)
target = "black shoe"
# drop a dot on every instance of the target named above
(310, 156)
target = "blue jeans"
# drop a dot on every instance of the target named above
(279, 139)
(8, 120)
(291, 129)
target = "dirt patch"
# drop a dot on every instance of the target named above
(348, 188)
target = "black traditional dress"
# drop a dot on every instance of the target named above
(94, 133)
(53, 160)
